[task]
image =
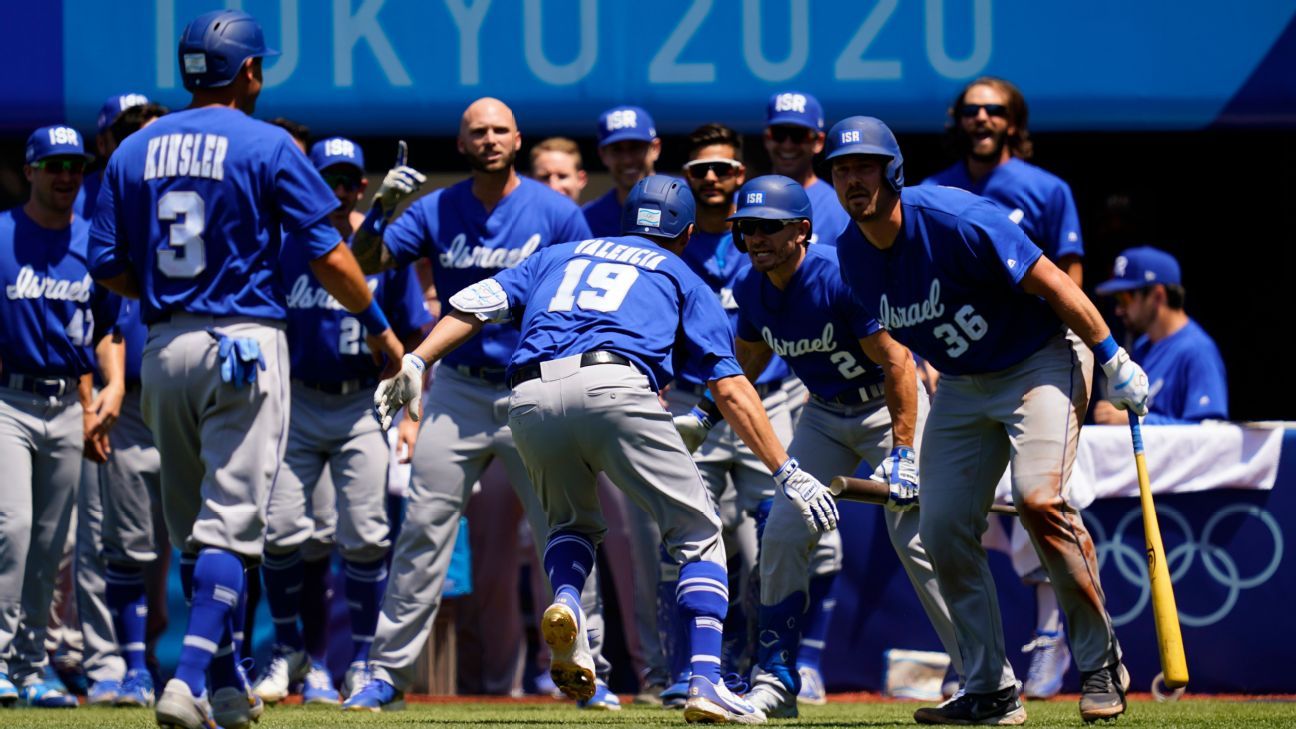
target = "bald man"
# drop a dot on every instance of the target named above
(469, 231)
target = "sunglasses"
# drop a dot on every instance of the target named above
(723, 168)
(349, 182)
(798, 135)
(752, 226)
(74, 165)
(968, 111)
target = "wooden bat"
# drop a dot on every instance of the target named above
(1174, 665)
(875, 492)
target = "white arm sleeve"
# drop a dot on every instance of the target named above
(485, 299)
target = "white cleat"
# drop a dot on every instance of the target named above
(178, 708)
(774, 702)
(570, 665)
(285, 669)
(357, 677)
(714, 703)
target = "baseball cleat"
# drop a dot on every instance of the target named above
(318, 687)
(8, 691)
(603, 699)
(101, 693)
(714, 703)
(812, 687)
(376, 696)
(1001, 708)
(236, 707)
(675, 695)
(1102, 693)
(571, 666)
(286, 668)
(1050, 659)
(180, 709)
(44, 694)
(774, 701)
(357, 677)
(136, 690)
(650, 695)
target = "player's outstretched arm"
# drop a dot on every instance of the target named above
(695, 425)
(753, 357)
(123, 284)
(901, 383)
(400, 182)
(405, 389)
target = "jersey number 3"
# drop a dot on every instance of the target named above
(610, 282)
(184, 255)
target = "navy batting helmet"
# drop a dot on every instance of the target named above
(658, 205)
(215, 45)
(770, 197)
(866, 135)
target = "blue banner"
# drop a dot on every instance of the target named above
(411, 66)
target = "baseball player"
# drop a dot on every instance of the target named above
(54, 327)
(629, 148)
(600, 321)
(556, 162)
(331, 429)
(988, 127)
(792, 303)
(794, 134)
(490, 222)
(1182, 362)
(105, 143)
(188, 221)
(952, 277)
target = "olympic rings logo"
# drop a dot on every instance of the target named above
(1131, 561)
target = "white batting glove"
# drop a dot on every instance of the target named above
(899, 471)
(406, 388)
(1127, 383)
(693, 427)
(401, 182)
(812, 498)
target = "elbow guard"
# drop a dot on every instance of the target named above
(485, 299)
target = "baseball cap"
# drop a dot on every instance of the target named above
(1137, 268)
(336, 151)
(625, 122)
(55, 141)
(794, 108)
(115, 105)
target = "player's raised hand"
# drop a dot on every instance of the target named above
(406, 388)
(812, 498)
(400, 182)
(1127, 383)
(899, 471)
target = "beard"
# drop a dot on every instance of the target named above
(505, 162)
(998, 140)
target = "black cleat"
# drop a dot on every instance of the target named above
(1001, 708)
(1102, 692)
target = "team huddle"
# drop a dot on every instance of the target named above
(717, 348)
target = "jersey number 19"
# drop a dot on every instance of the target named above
(609, 284)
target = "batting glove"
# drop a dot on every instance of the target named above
(406, 388)
(899, 471)
(400, 182)
(239, 358)
(697, 424)
(812, 498)
(1127, 383)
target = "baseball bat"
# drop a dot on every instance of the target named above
(1174, 665)
(869, 491)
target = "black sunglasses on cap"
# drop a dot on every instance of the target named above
(782, 133)
(968, 111)
(723, 168)
(55, 165)
(348, 180)
(752, 226)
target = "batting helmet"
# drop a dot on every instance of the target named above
(658, 205)
(866, 135)
(215, 45)
(770, 197)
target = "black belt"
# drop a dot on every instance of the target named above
(342, 387)
(133, 384)
(596, 357)
(42, 386)
(493, 375)
(762, 389)
(854, 396)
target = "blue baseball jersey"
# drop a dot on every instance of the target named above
(829, 218)
(1185, 375)
(467, 244)
(52, 313)
(1037, 200)
(196, 202)
(88, 195)
(603, 215)
(130, 325)
(626, 295)
(718, 262)
(325, 341)
(949, 288)
(814, 324)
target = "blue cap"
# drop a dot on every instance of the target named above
(625, 122)
(1137, 268)
(55, 141)
(795, 108)
(115, 105)
(336, 151)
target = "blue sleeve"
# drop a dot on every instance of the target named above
(1205, 387)
(1066, 235)
(405, 236)
(707, 338)
(862, 323)
(575, 227)
(403, 301)
(316, 239)
(303, 196)
(519, 281)
(106, 255)
(999, 244)
(747, 331)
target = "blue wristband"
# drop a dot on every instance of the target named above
(375, 220)
(1106, 349)
(373, 319)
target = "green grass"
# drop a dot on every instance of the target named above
(1189, 713)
